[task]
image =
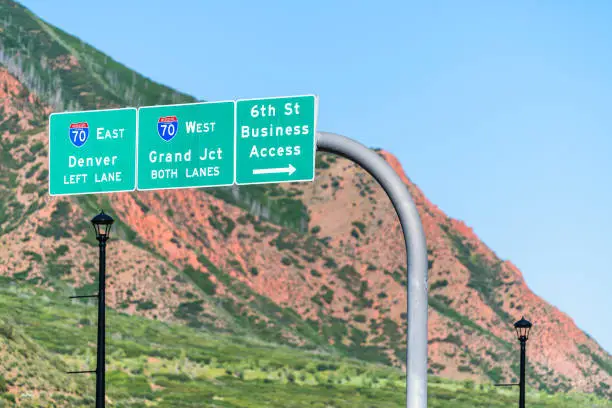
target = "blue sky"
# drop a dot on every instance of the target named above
(499, 112)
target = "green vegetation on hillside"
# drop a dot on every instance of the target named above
(35, 52)
(161, 365)
(484, 278)
(270, 202)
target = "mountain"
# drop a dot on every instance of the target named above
(317, 266)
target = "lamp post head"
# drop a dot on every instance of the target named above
(522, 328)
(102, 225)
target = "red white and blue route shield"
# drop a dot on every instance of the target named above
(79, 133)
(167, 127)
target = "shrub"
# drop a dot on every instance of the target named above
(330, 263)
(495, 374)
(360, 318)
(42, 175)
(328, 296)
(35, 257)
(201, 280)
(146, 305)
(29, 188)
(189, 309)
(438, 284)
(61, 250)
(36, 147)
(360, 226)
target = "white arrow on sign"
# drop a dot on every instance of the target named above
(289, 169)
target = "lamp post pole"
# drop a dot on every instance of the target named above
(523, 341)
(102, 224)
(101, 352)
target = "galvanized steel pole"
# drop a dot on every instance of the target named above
(416, 252)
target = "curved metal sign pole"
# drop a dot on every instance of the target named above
(416, 252)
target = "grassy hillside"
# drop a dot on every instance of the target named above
(151, 363)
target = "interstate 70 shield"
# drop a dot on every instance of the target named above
(167, 127)
(78, 133)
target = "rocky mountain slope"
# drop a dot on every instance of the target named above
(313, 265)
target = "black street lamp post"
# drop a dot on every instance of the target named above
(102, 224)
(522, 328)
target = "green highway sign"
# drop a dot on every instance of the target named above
(275, 139)
(184, 146)
(204, 144)
(92, 151)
